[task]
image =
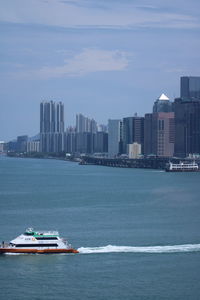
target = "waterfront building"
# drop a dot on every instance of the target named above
(134, 150)
(148, 142)
(133, 131)
(187, 127)
(33, 146)
(162, 104)
(2, 146)
(22, 143)
(159, 134)
(101, 142)
(163, 134)
(70, 140)
(114, 137)
(187, 116)
(190, 88)
(86, 130)
(51, 127)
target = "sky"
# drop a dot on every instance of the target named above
(106, 59)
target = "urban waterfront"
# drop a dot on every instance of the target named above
(101, 210)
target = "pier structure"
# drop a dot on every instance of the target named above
(145, 163)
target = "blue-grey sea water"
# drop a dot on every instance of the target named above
(138, 231)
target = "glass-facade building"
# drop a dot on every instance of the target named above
(190, 88)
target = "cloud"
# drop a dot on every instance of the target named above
(98, 14)
(88, 61)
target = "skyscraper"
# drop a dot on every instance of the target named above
(51, 126)
(187, 127)
(85, 133)
(163, 134)
(133, 131)
(114, 137)
(159, 134)
(190, 88)
(187, 116)
(162, 104)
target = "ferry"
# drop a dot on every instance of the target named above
(41, 242)
(182, 167)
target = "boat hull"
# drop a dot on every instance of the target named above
(37, 251)
(185, 170)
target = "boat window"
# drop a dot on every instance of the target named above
(46, 238)
(36, 245)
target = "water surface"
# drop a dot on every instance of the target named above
(137, 231)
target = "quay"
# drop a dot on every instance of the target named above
(145, 163)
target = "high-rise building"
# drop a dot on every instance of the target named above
(101, 142)
(22, 143)
(86, 130)
(33, 146)
(159, 134)
(163, 134)
(114, 137)
(162, 104)
(148, 142)
(133, 131)
(51, 126)
(84, 124)
(70, 140)
(187, 127)
(187, 116)
(190, 88)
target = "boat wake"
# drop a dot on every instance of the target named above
(148, 249)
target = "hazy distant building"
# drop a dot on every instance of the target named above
(22, 143)
(84, 124)
(101, 142)
(51, 127)
(70, 140)
(33, 146)
(162, 104)
(134, 150)
(133, 131)
(86, 130)
(190, 88)
(148, 140)
(2, 146)
(114, 137)
(102, 127)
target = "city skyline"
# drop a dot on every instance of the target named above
(104, 59)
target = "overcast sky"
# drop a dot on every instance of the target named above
(103, 58)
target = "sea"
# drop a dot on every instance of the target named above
(137, 231)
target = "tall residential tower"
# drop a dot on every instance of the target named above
(51, 127)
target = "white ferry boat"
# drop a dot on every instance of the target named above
(182, 167)
(37, 242)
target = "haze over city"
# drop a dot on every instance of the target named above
(105, 59)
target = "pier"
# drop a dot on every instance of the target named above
(145, 163)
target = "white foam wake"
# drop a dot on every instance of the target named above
(148, 249)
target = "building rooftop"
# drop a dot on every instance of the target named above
(163, 97)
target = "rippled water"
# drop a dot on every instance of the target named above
(137, 231)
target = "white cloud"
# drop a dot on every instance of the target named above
(88, 61)
(100, 14)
